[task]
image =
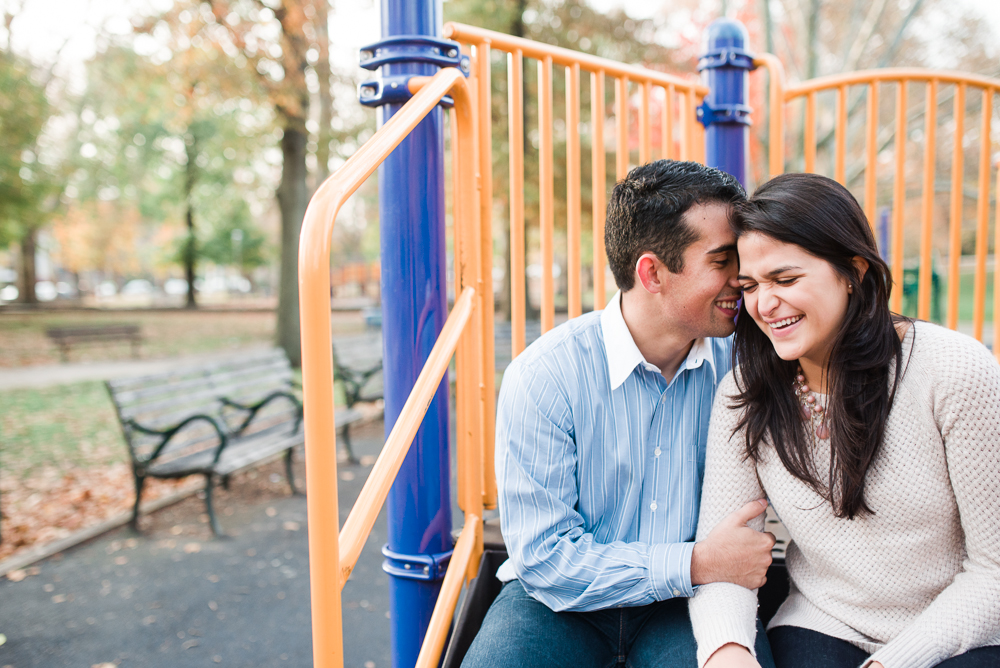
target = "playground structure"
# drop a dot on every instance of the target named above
(705, 121)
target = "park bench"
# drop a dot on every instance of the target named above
(357, 364)
(65, 337)
(212, 419)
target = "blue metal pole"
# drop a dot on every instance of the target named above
(414, 308)
(725, 113)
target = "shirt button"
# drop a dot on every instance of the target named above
(657, 452)
(652, 506)
(677, 592)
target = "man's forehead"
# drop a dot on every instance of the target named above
(710, 221)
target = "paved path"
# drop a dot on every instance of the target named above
(174, 597)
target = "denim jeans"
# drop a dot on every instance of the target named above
(794, 647)
(519, 631)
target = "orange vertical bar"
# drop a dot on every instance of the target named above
(871, 154)
(810, 132)
(955, 229)
(685, 102)
(645, 132)
(599, 182)
(575, 306)
(487, 361)
(927, 207)
(982, 217)
(899, 200)
(996, 269)
(546, 193)
(841, 135)
(621, 128)
(668, 123)
(515, 120)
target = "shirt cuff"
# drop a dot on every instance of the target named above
(670, 570)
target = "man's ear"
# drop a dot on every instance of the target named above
(651, 272)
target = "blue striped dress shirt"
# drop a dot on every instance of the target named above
(599, 465)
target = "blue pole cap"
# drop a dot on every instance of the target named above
(726, 33)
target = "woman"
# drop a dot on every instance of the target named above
(876, 440)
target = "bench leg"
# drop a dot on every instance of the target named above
(345, 439)
(225, 482)
(213, 522)
(139, 482)
(289, 473)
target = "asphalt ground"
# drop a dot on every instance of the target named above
(173, 596)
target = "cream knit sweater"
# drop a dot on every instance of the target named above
(917, 582)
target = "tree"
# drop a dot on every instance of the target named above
(26, 189)
(179, 138)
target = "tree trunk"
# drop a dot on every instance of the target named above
(325, 97)
(190, 244)
(293, 197)
(26, 290)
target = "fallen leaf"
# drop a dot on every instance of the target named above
(213, 606)
(188, 644)
(191, 548)
(58, 598)
(121, 561)
(18, 575)
(291, 526)
(106, 664)
(270, 512)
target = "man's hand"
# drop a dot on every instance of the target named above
(733, 552)
(732, 656)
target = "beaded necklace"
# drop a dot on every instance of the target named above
(812, 410)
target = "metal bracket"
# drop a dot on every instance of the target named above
(726, 58)
(723, 113)
(393, 89)
(428, 567)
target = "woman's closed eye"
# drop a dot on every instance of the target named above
(748, 287)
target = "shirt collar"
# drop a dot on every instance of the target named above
(624, 356)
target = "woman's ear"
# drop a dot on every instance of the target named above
(860, 269)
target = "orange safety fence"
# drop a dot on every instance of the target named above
(887, 135)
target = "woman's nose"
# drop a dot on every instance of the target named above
(767, 301)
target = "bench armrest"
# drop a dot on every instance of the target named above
(254, 408)
(171, 431)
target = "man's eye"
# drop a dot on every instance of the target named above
(785, 281)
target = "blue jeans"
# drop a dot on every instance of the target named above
(794, 647)
(519, 631)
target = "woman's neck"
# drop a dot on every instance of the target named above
(816, 376)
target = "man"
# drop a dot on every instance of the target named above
(601, 432)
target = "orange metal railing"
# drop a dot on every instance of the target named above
(862, 141)
(333, 553)
(680, 136)
(468, 331)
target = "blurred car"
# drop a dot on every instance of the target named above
(106, 289)
(9, 293)
(45, 291)
(138, 286)
(175, 286)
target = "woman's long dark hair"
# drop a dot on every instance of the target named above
(823, 218)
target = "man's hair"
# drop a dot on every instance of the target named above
(646, 211)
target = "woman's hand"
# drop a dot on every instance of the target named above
(732, 656)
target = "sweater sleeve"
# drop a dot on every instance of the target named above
(721, 612)
(966, 614)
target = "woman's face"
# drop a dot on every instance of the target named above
(796, 299)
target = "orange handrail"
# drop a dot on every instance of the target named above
(327, 572)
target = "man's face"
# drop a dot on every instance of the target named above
(703, 296)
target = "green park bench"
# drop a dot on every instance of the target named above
(357, 365)
(212, 419)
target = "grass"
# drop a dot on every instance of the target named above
(67, 426)
(966, 299)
